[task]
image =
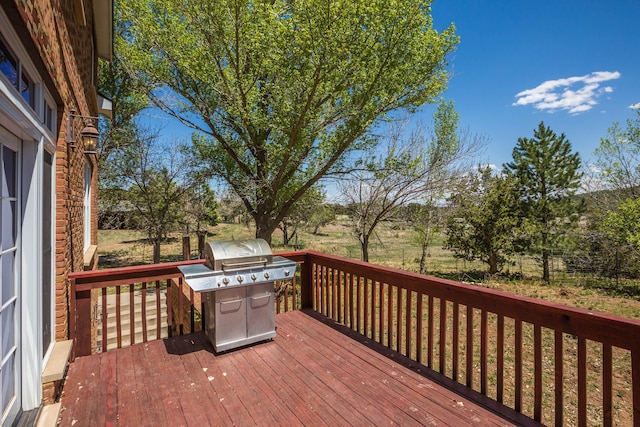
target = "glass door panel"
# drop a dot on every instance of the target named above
(9, 377)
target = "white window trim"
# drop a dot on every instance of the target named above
(28, 125)
(34, 126)
(88, 172)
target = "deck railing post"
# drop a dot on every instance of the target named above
(635, 383)
(72, 315)
(306, 285)
(82, 323)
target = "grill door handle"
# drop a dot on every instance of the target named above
(233, 265)
(261, 300)
(230, 305)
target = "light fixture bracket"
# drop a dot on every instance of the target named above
(89, 133)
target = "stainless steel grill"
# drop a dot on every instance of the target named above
(237, 286)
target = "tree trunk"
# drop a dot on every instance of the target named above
(545, 258)
(285, 235)
(156, 250)
(425, 250)
(364, 246)
(493, 264)
(545, 265)
(425, 244)
(264, 228)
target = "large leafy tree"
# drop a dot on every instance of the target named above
(548, 173)
(618, 158)
(608, 242)
(281, 90)
(485, 220)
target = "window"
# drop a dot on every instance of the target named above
(27, 89)
(11, 68)
(49, 115)
(8, 64)
(19, 75)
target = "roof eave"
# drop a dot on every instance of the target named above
(103, 24)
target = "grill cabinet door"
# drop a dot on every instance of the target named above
(231, 320)
(260, 310)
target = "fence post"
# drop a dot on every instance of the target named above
(186, 248)
(200, 246)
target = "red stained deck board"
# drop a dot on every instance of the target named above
(128, 393)
(311, 374)
(341, 384)
(441, 405)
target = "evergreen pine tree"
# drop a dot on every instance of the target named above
(548, 173)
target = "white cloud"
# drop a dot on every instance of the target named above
(634, 106)
(572, 94)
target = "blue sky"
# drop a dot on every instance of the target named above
(573, 64)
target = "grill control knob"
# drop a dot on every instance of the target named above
(266, 274)
(286, 272)
(240, 279)
(225, 280)
(253, 276)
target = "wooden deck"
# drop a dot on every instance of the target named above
(311, 374)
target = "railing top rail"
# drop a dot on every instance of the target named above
(603, 327)
(85, 280)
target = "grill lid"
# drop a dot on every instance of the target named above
(236, 254)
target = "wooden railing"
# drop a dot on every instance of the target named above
(526, 358)
(522, 356)
(90, 289)
(163, 285)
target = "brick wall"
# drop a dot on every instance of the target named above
(61, 46)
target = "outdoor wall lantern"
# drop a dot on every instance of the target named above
(89, 133)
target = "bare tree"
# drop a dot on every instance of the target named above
(152, 184)
(391, 175)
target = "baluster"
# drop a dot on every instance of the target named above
(399, 320)
(518, 365)
(607, 391)
(132, 316)
(104, 319)
(143, 311)
(537, 372)
(500, 360)
(118, 319)
(483, 351)
(158, 317)
(582, 381)
(430, 337)
(469, 356)
(419, 313)
(443, 335)
(456, 340)
(559, 376)
(407, 317)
